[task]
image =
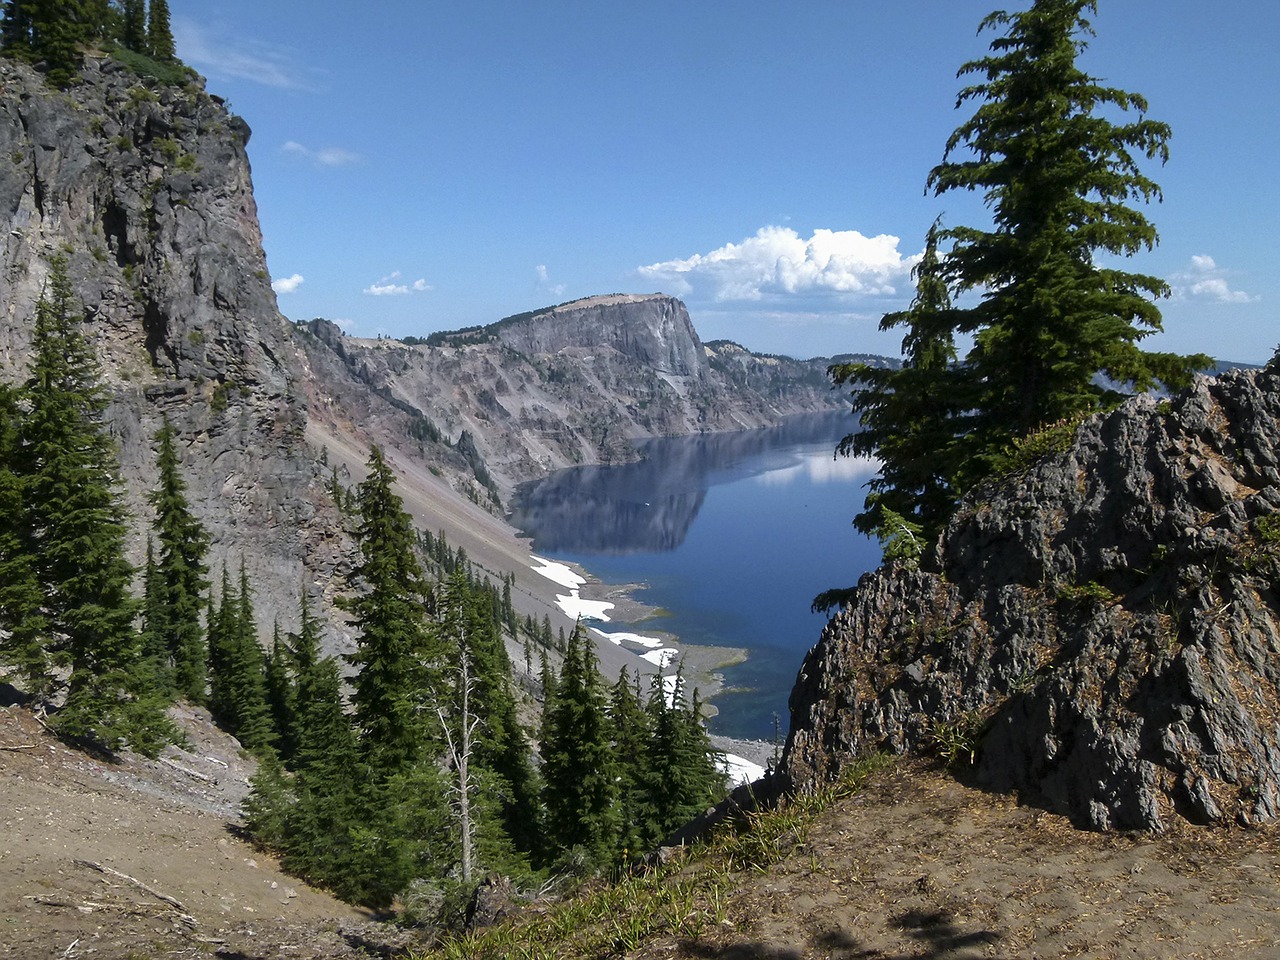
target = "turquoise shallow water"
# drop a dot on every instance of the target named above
(732, 534)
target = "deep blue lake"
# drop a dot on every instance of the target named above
(732, 535)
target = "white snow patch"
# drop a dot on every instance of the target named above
(575, 608)
(662, 657)
(558, 572)
(739, 770)
(652, 643)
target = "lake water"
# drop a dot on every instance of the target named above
(732, 535)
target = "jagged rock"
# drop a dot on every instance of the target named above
(1101, 630)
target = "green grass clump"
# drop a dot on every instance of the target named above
(685, 898)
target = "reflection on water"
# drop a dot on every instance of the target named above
(733, 535)
(649, 506)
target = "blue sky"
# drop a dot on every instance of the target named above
(422, 166)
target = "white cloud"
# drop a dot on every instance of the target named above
(238, 58)
(777, 261)
(287, 284)
(544, 282)
(388, 287)
(324, 157)
(1205, 280)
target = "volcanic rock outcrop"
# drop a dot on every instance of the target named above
(1100, 632)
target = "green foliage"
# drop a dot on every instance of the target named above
(681, 900)
(1038, 444)
(1268, 527)
(578, 764)
(903, 541)
(397, 657)
(159, 33)
(957, 741)
(909, 417)
(175, 586)
(74, 525)
(1059, 179)
(237, 669)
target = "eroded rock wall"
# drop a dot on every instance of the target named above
(1102, 630)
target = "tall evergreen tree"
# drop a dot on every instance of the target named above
(630, 735)
(180, 572)
(681, 776)
(133, 25)
(159, 32)
(16, 26)
(910, 417)
(23, 626)
(397, 657)
(1059, 179)
(578, 769)
(281, 696)
(237, 669)
(79, 537)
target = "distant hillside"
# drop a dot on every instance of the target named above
(573, 384)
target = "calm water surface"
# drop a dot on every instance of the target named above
(732, 534)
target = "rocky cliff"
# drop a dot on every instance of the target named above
(574, 384)
(146, 189)
(1100, 632)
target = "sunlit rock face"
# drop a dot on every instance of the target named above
(1100, 632)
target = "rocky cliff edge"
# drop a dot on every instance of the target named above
(1100, 632)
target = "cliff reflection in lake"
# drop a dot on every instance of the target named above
(732, 536)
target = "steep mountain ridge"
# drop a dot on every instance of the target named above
(145, 189)
(575, 384)
(1099, 632)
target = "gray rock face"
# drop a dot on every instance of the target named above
(1102, 630)
(654, 331)
(147, 192)
(570, 385)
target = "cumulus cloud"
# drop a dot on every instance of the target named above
(544, 282)
(324, 157)
(237, 58)
(777, 260)
(1205, 280)
(287, 284)
(389, 287)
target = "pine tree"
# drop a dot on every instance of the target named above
(180, 572)
(579, 775)
(237, 669)
(1058, 178)
(397, 657)
(910, 417)
(281, 695)
(15, 28)
(23, 626)
(79, 537)
(133, 27)
(682, 777)
(500, 750)
(159, 33)
(630, 735)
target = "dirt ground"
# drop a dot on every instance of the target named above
(138, 859)
(920, 866)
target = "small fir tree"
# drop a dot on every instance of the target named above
(578, 769)
(79, 536)
(180, 573)
(159, 33)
